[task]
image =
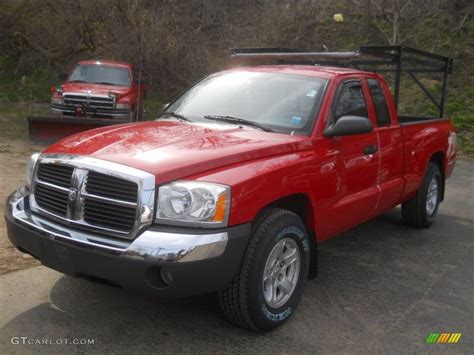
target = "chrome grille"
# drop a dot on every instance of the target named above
(107, 215)
(111, 187)
(89, 193)
(51, 199)
(89, 101)
(116, 215)
(55, 174)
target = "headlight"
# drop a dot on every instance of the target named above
(193, 203)
(57, 100)
(122, 106)
(30, 169)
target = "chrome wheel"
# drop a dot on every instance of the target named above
(281, 272)
(432, 198)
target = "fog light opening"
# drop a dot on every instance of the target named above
(158, 277)
(166, 276)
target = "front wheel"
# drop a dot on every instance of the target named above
(273, 273)
(421, 210)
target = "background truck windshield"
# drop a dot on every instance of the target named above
(284, 102)
(101, 74)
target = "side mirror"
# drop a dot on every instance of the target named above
(63, 76)
(349, 125)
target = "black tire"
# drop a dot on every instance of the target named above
(243, 301)
(414, 211)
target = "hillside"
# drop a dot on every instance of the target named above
(180, 41)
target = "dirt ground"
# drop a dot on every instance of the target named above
(13, 156)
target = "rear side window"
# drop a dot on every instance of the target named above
(350, 101)
(378, 98)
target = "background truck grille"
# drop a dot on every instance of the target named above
(106, 203)
(91, 101)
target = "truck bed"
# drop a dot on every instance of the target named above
(418, 119)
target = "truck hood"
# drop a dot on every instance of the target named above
(98, 89)
(173, 150)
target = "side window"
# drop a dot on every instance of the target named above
(381, 107)
(350, 101)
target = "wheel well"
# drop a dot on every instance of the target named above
(438, 159)
(300, 204)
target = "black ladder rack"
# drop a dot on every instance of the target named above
(395, 59)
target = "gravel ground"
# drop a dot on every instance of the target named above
(382, 288)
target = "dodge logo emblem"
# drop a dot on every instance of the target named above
(72, 194)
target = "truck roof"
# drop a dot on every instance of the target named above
(309, 70)
(113, 63)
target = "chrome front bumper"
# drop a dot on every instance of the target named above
(151, 245)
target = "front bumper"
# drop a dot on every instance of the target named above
(124, 114)
(172, 262)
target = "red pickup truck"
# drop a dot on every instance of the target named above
(231, 188)
(103, 89)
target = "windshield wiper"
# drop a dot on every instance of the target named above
(237, 120)
(77, 81)
(175, 115)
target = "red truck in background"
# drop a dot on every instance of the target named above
(102, 89)
(236, 182)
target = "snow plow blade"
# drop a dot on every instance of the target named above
(47, 130)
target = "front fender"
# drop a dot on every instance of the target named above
(258, 183)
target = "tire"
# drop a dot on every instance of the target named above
(276, 234)
(421, 210)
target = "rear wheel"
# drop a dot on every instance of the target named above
(275, 267)
(421, 210)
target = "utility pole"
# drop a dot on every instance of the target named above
(368, 18)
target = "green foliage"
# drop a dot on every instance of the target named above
(153, 104)
(13, 123)
(32, 85)
(184, 40)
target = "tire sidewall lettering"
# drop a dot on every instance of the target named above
(295, 231)
(276, 317)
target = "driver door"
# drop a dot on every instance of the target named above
(357, 159)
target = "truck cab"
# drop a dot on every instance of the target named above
(101, 89)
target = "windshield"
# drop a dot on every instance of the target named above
(101, 74)
(284, 102)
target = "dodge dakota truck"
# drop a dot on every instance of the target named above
(101, 88)
(233, 186)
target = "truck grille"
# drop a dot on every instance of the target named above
(47, 196)
(109, 216)
(87, 198)
(111, 187)
(56, 174)
(104, 213)
(51, 200)
(89, 101)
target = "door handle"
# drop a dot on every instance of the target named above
(370, 149)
